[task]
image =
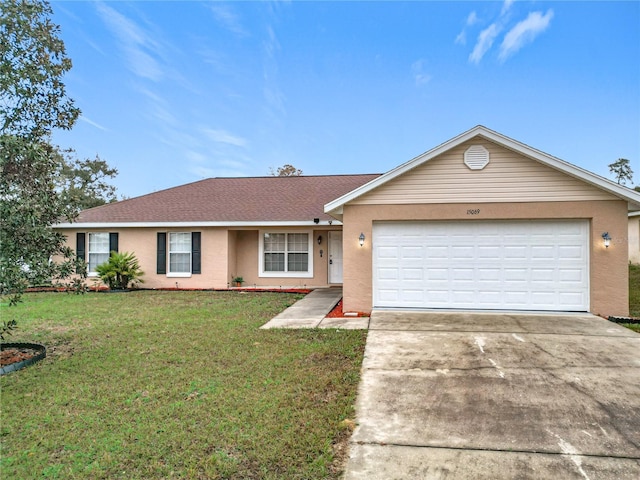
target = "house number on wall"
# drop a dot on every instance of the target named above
(474, 211)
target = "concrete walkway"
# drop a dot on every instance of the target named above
(310, 312)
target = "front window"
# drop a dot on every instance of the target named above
(98, 250)
(179, 253)
(286, 254)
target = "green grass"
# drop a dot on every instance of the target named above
(634, 291)
(176, 385)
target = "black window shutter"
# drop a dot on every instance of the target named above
(81, 251)
(162, 253)
(113, 242)
(196, 252)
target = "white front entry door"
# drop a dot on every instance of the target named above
(504, 265)
(335, 257)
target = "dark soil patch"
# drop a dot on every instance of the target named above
(338, 313)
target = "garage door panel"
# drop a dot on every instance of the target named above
(527, 265)
(571, 275)
(513, 252)
(413, 274)
(412, 252)
(388, 252)
(488, 252)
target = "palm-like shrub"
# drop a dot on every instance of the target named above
(120, 271)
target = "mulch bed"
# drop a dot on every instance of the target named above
(15, 355)
(338, 313)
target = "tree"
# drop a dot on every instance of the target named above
(285, 171)
(83, 182)
(33, 102)
(622, 171)
(33, 60)
(29, 205)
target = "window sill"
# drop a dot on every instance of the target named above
(179, 275)
(286, 275)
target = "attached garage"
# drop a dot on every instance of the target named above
(514, 265)
(484, 222)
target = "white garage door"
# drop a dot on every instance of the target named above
(509, 265)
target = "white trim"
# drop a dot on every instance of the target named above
(295, 223)
(335, 207)
(263, 274)
(179, 252)
(88, 251)
(178, 275)
(330, 252)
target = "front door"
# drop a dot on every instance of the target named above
(335, 257)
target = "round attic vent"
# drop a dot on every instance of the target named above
(476, 157)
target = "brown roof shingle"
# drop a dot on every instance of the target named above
(242, 199)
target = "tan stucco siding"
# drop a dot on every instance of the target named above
(143, 243)
(247, 261)
(509, 177)
(634, 239)
(608, 267)
(225, 255)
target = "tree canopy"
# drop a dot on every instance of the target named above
(285, 171)
(33, 61)
(40, 185)
(622, 171)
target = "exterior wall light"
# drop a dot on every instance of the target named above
(319, 239)
(361, 239)
(607, 239)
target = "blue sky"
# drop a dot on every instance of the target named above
(173, 92)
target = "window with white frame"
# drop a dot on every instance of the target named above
(179, 253)
(285, 254)
(98, 250)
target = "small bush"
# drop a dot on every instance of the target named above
(120, 271)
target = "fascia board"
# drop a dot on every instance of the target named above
(308, 223)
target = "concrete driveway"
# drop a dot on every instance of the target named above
(497, 396)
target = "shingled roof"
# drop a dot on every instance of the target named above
(243, 199)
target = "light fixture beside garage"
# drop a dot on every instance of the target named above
(361, 239)
(607, 239)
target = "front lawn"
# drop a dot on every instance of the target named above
(176, 385)
(634, 291)
(634, 297)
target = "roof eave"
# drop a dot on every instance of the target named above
(197, 224)
(632, 197)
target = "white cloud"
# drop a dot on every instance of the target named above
(226, 17)
(92, 123)
(524, 32)
(417, 70)
(485, 40)
(138, 46)
(472, 19)
(222, 136)
(506, 6)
